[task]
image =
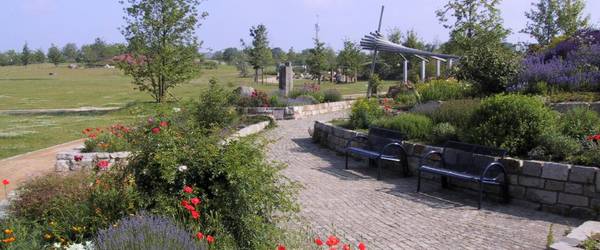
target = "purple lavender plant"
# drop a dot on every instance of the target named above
(146, 231)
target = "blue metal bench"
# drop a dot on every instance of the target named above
(467, 162)
(381, 145)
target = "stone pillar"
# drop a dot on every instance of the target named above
(437, 68)
(423, 76)
(405, 71)
(286, 78)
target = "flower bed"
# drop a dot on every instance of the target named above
(561, 188)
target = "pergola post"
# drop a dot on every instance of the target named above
(405, 71)
(423, 64)
(450, 63)
(437, 68)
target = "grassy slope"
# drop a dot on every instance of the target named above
(32, 87)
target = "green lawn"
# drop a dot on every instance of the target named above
(31, 87)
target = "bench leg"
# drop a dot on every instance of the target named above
(379, 169)
(505, 193)
(418, 181)
(480, 195)
(346, 160)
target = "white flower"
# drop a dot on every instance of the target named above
(182, 168)
(176, 109)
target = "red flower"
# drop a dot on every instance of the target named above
(163, 124)
(78, 157)
(195, 215)
(156, 130)
(184, 203)
(361, 246)
(103, 164)
(281, 247)
(346, 247)
(195, 201)
(332, 241)
(318, 241)
(188, 189)
(5, 182)
(200, 236)
(210, 239)
(190, 208)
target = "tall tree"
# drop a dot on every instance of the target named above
(162, 44)
(570, 16)
(350, 59)
(25, 55)
(317, 58)
(38, 56)
(54, 55)
(260, 53)
(292, 56)
(391, 64)
(475, 23)
(279, 56)
(70, 51)
(412, 40)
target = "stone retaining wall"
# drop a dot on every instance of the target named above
(297, 112)
(566, 106)
(554, 187)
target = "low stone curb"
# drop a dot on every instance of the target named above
(577, 236)
(298, 112)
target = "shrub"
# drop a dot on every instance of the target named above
(305, 100)
(332, 95)
(443, 132)
(456, 112)
(589, 157)
(214, 108)
(554, 146)
(375, 82)
(365, 111)
(489, 68)
(414, 126)
(442, 90)
(26, 233)
(579, 123)
(146, 231)
(408, 99)
(513, 122)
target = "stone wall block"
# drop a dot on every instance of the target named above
(531, 182)
(555, 171)
(582, 174)
(573, 200)
(542, 196)
(554, 185)
(573, 188)
(532, 168)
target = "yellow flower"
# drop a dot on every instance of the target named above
(52, 224)
(9, 240)
(47, 236)
(76, 229)
(8, 231)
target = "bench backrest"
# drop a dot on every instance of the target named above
(470, 158)
(379, 137)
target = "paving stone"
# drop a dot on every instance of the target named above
(555, 171)
(582, 174)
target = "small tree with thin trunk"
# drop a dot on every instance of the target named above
(317, 59)
(54, 55)
(350, 59)
(259, 54)
(162, 44)
(25, 55)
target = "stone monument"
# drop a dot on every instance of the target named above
(286, 78)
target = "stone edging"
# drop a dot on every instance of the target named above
(566, 106)
(65, 161)
(577, 236)
(560, 188)
(297, 112)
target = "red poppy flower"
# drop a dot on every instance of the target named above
(195, 201)
(163, 124)
(200, 236)
(318, 241)
(78, 157)
(210, 239)
(332, 241)
(5, 182)
(103, 164)
(190, 208)
(156, 130)
(281, 247)
(184, 203)
(361, 246)
(195, 215)
(188, 189)
(346, 247)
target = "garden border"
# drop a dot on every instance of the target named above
(565, 189)
(298, 112)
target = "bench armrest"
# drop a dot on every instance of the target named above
(432, 153)
(354, 138)
(393, 144)
(494, 165)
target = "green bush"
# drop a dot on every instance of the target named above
(27, 234)
(365, 111)
(443, 132)
(580, 123)
(408, 99)
(513, 122)
(332, 95)
(442, 90)
(589, 157)
(554, 146)
(214, 107)
(490, 68)
(414, 126)
(538, 88)
(456, 112)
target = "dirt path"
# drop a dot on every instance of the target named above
(20, 168)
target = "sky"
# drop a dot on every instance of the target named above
(290, 23)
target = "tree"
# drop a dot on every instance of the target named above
(25, 55)
(570, 16)
(291, 56)
(38, 56)
(317, 60)
(412, 40)
(279, 56)
(70, 52)
(476, 23)
(54, 55)
(230, 54)
(259, 54)
(13, 57)
(391, 64)
(551, 18)
(162, 44)
(350, 59)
